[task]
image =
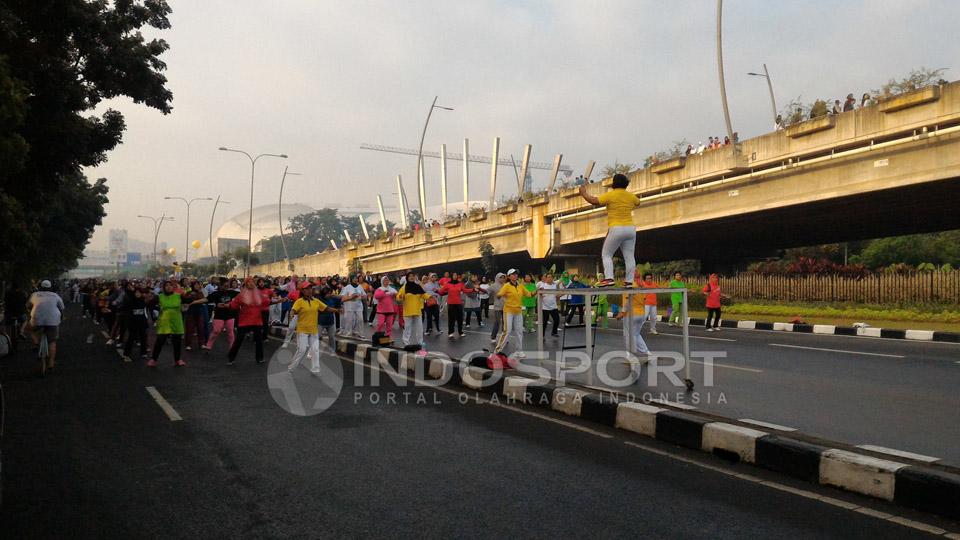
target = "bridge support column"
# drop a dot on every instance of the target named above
(581, 265)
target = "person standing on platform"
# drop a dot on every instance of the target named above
(621, 232)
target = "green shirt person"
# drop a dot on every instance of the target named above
(676, 299)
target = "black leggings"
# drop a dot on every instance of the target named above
(137, 331)
(574, 308)
(713, 313)
(551, 315)
(454, 315)
(177, 339)
(474, 311)
(432, 314)
(257, 338)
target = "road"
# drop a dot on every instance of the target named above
(88, 452)
(884, 392)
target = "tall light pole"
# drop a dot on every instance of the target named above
(186, 251)
(723, 87)
(216, 260)
(773, 101)
(283, 242)
(420, 188)
(253, 169)
(157, 222)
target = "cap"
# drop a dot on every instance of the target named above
(512, 271)
(45, 284)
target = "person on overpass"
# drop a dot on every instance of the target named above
(621, 232)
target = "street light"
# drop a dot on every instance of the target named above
(216, 260)
(253, 169)
(157, 222)
(283, 242)
(773, 101)
(423, 197)
(723, 87)
(186, 251)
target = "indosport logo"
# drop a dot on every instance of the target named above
(312, 386)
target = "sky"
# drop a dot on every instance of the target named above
(610, 81)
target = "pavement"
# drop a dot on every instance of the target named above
(88, 452)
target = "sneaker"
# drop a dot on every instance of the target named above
(709, 329)
(450, 335)
(654, 332)
(285, 345)
(204, 347)
(628, 285)
(466, 325)
(481, 325)
(189, 348)
(493, 340)
(260, 360)
(110, 341)
(180, 363)
(229, 362)
(151, 363)
(671, 324)
(462, 334)
(127, 358)
(315, 372)
(605, 283)
(519, 355)
(716, 328)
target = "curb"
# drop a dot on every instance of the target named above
(829, 329)
(910, 483)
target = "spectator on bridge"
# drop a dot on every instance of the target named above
(837, 108)
(865, 100)
(621, 231)
(700, 148)
(778, 125)
(849, 103)
(689, 150)
(726, 141)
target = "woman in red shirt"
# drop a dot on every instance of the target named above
(249, 303)
(712, 291)
(453, 290)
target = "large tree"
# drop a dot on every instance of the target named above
(59, 59)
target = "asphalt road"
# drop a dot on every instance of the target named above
(89, 453)
(891, 393)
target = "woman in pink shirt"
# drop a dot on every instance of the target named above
(386, 297)
(712, 291)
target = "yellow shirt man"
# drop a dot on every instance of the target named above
(513, 297)
(306, 310)
(620, 204)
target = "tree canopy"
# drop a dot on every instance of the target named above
(59, 60)
(311, 233)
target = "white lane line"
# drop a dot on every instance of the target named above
(898, 453)
(794, 491)
(777, 427)
(727, 366)
(172, 414)
(836, 350)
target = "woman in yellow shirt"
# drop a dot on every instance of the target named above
(412, 296)
(306, 309)
(621, 232)
(512, 293)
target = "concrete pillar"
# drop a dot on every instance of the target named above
(582, 265)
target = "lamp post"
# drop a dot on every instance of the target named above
(283, 242)
(723, 87)
(157, 222)
(253, 169)
(773, 101)
(423, 197)
(216, 260)
(186, 251)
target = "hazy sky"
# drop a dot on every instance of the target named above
(601, 80)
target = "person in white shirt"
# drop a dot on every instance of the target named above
(353, 297)
(700, 148)
(551, 311)
(46, 312)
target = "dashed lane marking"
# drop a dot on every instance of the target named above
(836, 350)
(171, 413)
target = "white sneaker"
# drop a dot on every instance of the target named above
(519, 355)
(110, 342)
(493, 340)
(654, 332)
(315, 372)
(709, 329)
(717, 329)
(284, 346)
(450, 336)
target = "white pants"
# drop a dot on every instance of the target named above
(413, 330)
(649, 314)
(291, 330)
(307, 343)
(512, 331)
(623, 238)
(639, 346)
(351, 322)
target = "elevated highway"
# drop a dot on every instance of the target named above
(888, 169)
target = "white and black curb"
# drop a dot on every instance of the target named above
(908, 482)
(832, 330)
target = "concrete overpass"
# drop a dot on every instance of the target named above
(888, 169)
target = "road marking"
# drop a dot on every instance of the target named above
(727, 366)
(836, 350)
(795, 491)
(172, 414)
(476, 398)
(898, 453)
(777, 427)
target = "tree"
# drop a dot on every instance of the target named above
(60, 59)
(414, 218)
(487, 260)
(917, 79)
(914, 249)
(617, 168)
